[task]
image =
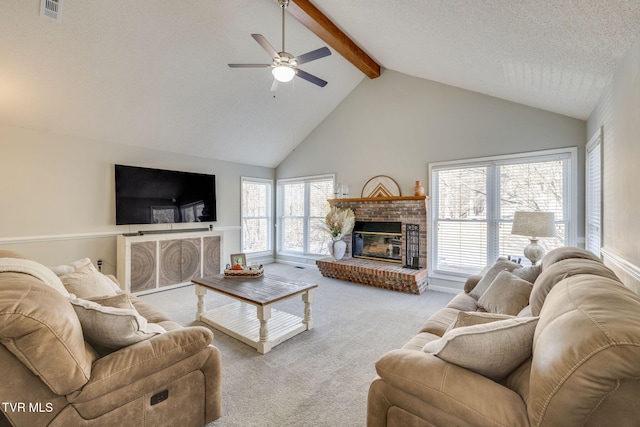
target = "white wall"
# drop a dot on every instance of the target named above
(58, 201)
(396, 124)
(618, 112)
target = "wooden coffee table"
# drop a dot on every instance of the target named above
(263, 327)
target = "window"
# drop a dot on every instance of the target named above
(473, 202)
(593, 190)
(302, 206)
(257, 220)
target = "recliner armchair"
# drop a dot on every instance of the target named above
(53, 377)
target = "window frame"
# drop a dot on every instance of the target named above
(570, 208)
(593, 195)
(268, 217)
(306, 180)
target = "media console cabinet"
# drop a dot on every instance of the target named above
(153, 262)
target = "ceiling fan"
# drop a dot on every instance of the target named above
(285, 66)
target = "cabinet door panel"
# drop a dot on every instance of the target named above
(143, 266)
(170, 262)
(211, 256)
(190, 261)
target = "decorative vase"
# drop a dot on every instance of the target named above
(418, 190)
(339, 247)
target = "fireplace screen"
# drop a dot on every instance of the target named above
(377, 240)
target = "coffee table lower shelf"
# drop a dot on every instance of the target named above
(242, 322)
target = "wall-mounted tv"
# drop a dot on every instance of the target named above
(156, 196)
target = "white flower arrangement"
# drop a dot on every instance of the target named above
(339, 222)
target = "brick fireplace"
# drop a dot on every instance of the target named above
(380, 273)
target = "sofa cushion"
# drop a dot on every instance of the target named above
(32, 268)
(566, 252)
(115, 324)
(584, 369)
(419, 340)
(440, 321)
(463, 302)
(5, 253)
(148, 311)
(490, 349)
(560, 270)
(507, 294)
(87, 282)
(519, 380)
(492, 272)
(39, 326)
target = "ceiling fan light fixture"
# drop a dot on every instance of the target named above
(283, 74)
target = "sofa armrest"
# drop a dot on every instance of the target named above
(451, 388)
(142, 359)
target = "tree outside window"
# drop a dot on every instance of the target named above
(473, 203)
(302, 208)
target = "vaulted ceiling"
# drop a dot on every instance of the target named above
(155, 74)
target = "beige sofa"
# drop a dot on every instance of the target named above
(581, 358)
(53, 376)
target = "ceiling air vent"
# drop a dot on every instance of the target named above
(51, 9)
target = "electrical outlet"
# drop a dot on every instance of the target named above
(99, 264)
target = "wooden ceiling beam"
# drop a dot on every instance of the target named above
(321, 25)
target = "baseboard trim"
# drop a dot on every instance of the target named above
(628, 269)
(445, 289)
(294, 263)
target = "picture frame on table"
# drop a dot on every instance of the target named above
(238, 259)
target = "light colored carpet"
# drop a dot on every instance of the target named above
(320, 377)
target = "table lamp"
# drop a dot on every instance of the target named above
(534, 225)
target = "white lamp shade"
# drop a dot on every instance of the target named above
(283, 73)
(534, 224)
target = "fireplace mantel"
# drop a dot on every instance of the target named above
(376, 199)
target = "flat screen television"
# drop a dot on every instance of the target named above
(156, 196)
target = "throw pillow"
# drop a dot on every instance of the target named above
(471, 282)
(507, 294)
(117, 301)
(470, 318)
(497, 267)
(87, 282)
(530, 274)
(112, 327)
(63, 269)
(492, 349)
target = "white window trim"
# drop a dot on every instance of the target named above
(270, 224)
(280, 208)
(595, 143)
(571, 188)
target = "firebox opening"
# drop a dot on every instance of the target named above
(377, 240)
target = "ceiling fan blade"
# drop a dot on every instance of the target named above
(249, 65)
(313, 55)
(310, 78)
(262, 41)
(274, 85)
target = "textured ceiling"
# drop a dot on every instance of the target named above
(154, 73)
(556, 55)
